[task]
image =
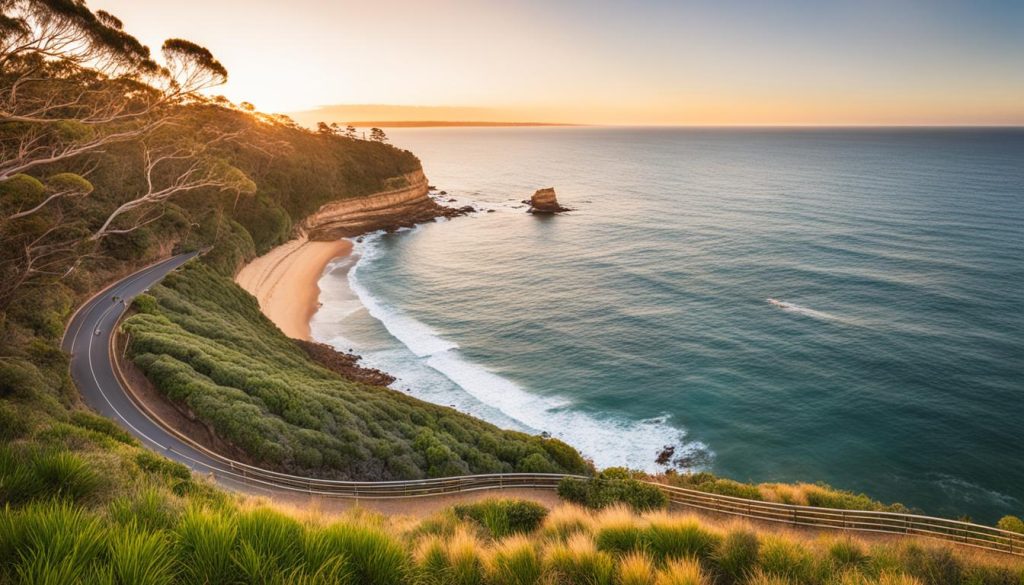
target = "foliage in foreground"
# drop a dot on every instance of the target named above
(608, 489)
(160, 538)
(204, 343)
(620, 485)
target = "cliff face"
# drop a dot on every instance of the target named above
(402, 206)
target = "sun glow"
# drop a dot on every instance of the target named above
(603, 63)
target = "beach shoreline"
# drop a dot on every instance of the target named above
(284, 281)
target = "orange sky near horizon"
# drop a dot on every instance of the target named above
(797, 62)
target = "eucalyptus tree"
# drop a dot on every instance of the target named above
(74, 83)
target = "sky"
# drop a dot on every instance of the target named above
(725, 62)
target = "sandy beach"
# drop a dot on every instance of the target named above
(284, 281)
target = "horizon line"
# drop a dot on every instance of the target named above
(473, 123)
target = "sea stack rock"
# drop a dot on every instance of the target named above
(544, 201)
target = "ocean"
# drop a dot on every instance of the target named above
(823, 305)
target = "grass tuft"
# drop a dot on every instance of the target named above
(579, 561)
(682, 572)
(736, 554)
(514, 561)
(374, 557)
(668, 537)
(205, 543)
(636, 568)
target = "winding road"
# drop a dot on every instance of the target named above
(90, 337)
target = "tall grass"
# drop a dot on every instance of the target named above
(579, 561)
(150, 509)
(636, 568)
(783, 557)
(736, 555)
(682, 572)
(514, 561)
(205, 543)
(618, 531)
(674, 537)
(374, 557)
(272, 537)
(140, 557)
(35, 474)
(458, 560)
(51, 542)
(565, 521)
(59, 541)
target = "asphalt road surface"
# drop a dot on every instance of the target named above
(88, 340)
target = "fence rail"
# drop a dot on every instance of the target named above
(955, 531)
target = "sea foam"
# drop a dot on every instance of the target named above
(432, 368)
(794, 308)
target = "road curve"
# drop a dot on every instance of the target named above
(89, 339)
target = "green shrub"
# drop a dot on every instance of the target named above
(20, 379)
(503, 517)
(597, 493)
(151, 462)
(206, 346)
(1011, 523)
(104, 426)
(728, 487)
(12, 423)
(736, 554)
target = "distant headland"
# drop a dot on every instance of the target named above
(445, 124)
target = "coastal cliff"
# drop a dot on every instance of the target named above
(405, 205)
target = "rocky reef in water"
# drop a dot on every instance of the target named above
(545, 201)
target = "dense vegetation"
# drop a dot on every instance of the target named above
(204, 343)
(155, 537)
(91, 188)
(609, 490)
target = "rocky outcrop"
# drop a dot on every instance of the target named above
(344, 364)
(405, 205)
(545, 201)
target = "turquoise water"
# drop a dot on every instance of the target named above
(892, 361)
